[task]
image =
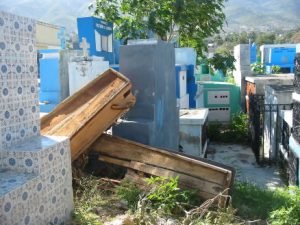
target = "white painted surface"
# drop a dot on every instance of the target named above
(200, 96)
(287, 116)
(81, 73)
(221, 114)
(184, 102)
(218, 97)
(193, 116)
(298, 48)
(192, 123)
(182, 83)
(275, 94)
(296, 97)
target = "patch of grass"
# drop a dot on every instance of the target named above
(251, 201)
(87, 197)
(280, 207)
(289, 212)
(164, 200)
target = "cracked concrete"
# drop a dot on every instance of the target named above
(243, 160)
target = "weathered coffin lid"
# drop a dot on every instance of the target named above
(193, 116)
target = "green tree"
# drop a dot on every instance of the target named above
(187, 21)
(265, 38)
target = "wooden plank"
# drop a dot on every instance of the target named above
(128, 150)
(136, 178)
(85, 115)
(188, 181)
(133, 176)
(89, 133)
(111, 160)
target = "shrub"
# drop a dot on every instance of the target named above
(167, 196)
(289, 212)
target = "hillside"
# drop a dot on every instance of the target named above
(241, 14)
(267, 14)
(62, 13)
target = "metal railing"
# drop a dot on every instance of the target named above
(258, 113)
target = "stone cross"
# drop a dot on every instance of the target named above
(85, 46)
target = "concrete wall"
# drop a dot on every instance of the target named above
(46, 36)
(65, 57)
(274, 94)
(242, 65)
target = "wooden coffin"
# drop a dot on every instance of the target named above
(87, 113)
(210, 178)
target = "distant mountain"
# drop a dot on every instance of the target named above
(241, 14)
(58, 12)
(262, 14)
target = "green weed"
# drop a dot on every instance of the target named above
(87, 197)
(289, 212)
(167, 196)
(279, 207)
(235, 132)
(129, 192)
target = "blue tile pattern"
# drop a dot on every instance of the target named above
(18, 79)
(37, 182)
(35, 170)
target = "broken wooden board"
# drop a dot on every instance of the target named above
(209, 177)
(87, 113)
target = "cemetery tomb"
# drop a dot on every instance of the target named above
(154, 120)
(256, 85)
(186, 87)
(185, 61)
(290, 157)
(54, 76)
(294, 161)
(277, 97)
(221, 98)
(280, 55)
(294, 140)
(192, 131)
(35, 170)
(99, 34)
(84, 69)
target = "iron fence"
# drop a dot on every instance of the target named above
(259, 111)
